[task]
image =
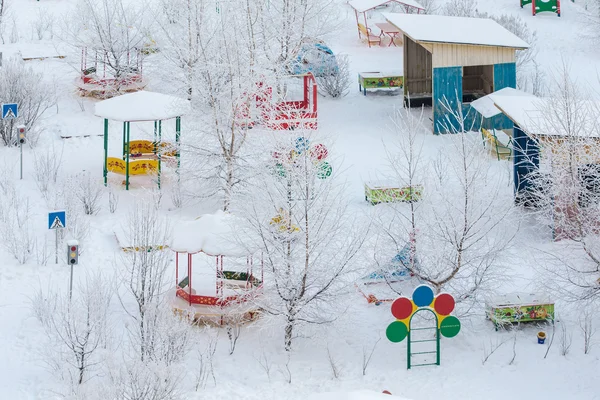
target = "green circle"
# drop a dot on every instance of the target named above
(396, 331)
(324, 170)
(450, 326)
(279, 169)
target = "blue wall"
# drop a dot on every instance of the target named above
(526, 159)
(447, 83)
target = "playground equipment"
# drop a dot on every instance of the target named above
(363, 7)
(142, 157)
(315, 58)
(234, 290)
(438, 308)
(538, 6)
(286, 160)
(112, 81)
(396, 274)
(281, 111)
(379, 192)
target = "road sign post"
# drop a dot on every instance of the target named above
(72, 259)
(21, 138)
(57, 220)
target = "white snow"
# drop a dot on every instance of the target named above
(519, 299)
(365, 5)
(357, 395)
(485, 105)
(455, 30)
(142, 106)
(214, 234)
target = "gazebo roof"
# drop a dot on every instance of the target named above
(455, 30)
(142, 106)
(366, 5)
(486, 107)
(213, 234)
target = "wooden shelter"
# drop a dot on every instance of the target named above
(362, 7)
(454, 59)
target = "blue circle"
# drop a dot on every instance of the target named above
(302, 144)
(422, 296)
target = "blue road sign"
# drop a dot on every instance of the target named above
(10, 110)
(57, 219)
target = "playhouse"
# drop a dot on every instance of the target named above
(362, 9)
(204, 290)
(459, 61)
(290, 105)
(142, 157)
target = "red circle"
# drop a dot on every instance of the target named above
(319, 152)
(402, 308)
(444, 304)
(386, 392)
(73, 248)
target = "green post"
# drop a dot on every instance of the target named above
(128, 126)
(105, 171)
(177, 139)
(408, 356)
(124, 138)
(437, 350)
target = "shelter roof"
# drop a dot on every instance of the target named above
(142, 106)
(213, 234)
(366, 5)
(485, 105)
(455, 30)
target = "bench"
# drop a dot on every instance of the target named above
(380, 80)
(366, 33)
(497, 146)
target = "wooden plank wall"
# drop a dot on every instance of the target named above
(505, 75)
(447, 89)
(417, 69)
(452, 55)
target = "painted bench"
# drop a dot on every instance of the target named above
(379, 80)
(500, 144)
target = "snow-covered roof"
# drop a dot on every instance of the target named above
(519, 299)
(356, 395)
(455, 30)
(213, 234)
(485, 105)
(142, 106)
(365, 5)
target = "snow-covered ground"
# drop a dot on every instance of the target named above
(359, 126)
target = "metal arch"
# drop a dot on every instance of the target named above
(436, 340)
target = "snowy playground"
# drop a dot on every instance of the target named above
(257, 200)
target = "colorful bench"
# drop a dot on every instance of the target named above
(376, 193)
(519, 307)
(497, 147)
(379, 80)
(366, 33)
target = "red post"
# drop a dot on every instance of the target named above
(190, 278)
(176, 268)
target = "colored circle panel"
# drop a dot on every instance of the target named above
(402, 308)
(422, 296)
(396, 332)
(444, 304)
(449, 327)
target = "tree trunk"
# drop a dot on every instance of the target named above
(289, 328)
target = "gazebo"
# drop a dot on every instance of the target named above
(454, 58)
(214, 294)
(142, 156)
(361, 7)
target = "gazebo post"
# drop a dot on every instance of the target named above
(128, 124)
(356, 15)
(159, 150)
(105, 171)
(124, 137)
(177, 139)
(190, 279)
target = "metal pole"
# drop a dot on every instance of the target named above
(55, 246)
(21, 146)
(71, 283)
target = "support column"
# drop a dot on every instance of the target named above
(128, 126)
(526, 159)
(177, 140)
(105, 170)
(159, 151)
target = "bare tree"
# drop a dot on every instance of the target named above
(20, 84)
(335, 81)
(460, 228)
(16, 233)
(88, 192)
(46, 168)
(565, 339)
(76, 328)
(367, 354)
(460, 8)
(300, 221)
(143, 271)
(586, 323)
(488, 351)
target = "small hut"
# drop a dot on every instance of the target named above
(453, 58)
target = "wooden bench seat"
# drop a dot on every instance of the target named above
(366, 33)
